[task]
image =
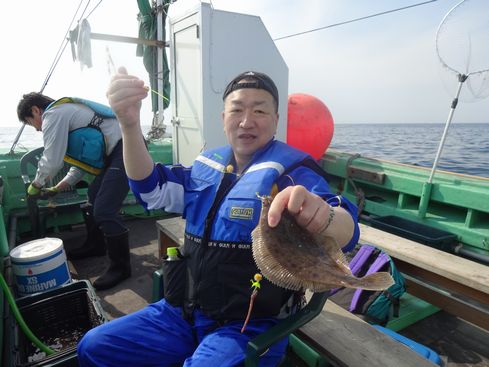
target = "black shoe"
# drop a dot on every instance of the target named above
(86, 251)
(111, 278)
(120, 265)
(94, 244)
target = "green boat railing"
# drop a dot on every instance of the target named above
(455, 203)
(14, 202)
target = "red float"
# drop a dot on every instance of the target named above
(310, 125)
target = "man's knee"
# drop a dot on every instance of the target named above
(110, 223)
(86, 347)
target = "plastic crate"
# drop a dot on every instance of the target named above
(61, 315)
(418, 232)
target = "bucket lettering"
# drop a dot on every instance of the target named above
(39, 265)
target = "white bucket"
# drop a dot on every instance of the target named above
(39, 265)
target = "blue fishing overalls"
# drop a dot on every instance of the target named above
(209, 333)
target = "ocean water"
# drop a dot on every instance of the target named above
(466, 148)
(29, 139)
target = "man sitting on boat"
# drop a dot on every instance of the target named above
(218, 198)
(86, 135)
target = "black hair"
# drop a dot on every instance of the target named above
(24, 108)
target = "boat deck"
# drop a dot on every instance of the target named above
(459, 343)
(135, 292)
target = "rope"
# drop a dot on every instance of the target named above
(360, 195)
(51, 69)
(61, 49)
(65, 41)
(354, 20)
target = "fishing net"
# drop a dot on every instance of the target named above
(462, 43)
(462, 46)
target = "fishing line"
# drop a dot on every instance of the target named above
(112, 70)
(157, 93)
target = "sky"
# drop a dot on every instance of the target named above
(379, 70)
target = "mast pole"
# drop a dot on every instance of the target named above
(159, 35)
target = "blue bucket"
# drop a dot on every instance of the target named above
(39, 265)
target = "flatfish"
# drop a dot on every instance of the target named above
(293, 258)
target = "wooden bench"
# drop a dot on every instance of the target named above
(337, 334)
(170, 234)
(452, 283)
(346, 340)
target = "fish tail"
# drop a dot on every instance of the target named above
(375, 281)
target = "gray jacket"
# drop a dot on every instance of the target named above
(57, 122)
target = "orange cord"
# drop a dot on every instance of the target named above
(252, 300)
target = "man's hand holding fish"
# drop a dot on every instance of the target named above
(312, 213)
(298, 244)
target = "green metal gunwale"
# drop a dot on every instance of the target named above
(13, 190)
(458, 203)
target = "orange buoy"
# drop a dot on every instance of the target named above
(310, 125)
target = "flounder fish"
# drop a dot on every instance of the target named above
(293, 258)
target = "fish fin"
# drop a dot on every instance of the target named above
(374, 282)
(343, 262)
(274, 191)
(332, 247)
(336, 253)
(270, 267)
